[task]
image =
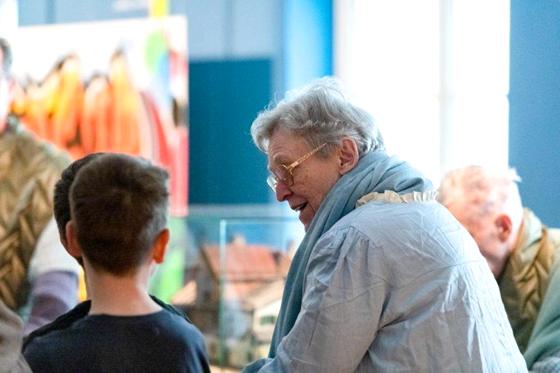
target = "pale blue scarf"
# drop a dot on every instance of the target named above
(375, 172)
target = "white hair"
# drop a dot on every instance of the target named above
(483, 191)
(320, 113)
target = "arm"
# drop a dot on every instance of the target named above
(10, 342)
(549, 364)
(543, 351)
(54, 280)
(340, 313)
(52, 294)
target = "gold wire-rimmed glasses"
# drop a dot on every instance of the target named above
(284, 173)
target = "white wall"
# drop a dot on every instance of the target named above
(8, 18)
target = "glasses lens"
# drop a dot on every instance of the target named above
(282, 176)
(272, 181)
(285, 176)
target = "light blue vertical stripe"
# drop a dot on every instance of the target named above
(308, 41)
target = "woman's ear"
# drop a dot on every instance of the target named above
(348, 155)
(71, 243)
(160, 246)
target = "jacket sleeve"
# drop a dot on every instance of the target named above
(53, 275)
(543, 351)
(52, 294)
(11, 359)
(340, 313)
(549, 364)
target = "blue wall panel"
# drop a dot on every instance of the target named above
(308, 40)
(63, 11)
(535, 104)
(225, 97)
(34, 12)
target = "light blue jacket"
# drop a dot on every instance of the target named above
(398, 287)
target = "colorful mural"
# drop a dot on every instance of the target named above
(109, 86)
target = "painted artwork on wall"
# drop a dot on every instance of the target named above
(117, 86)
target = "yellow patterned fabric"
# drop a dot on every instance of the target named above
(525, 280)
(29, 168)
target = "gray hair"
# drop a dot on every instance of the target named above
(6, 56)
(320, 113)
(484, 191)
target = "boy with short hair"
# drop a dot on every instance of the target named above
(118, 228)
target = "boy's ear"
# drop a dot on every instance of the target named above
(71, 243)
(160, 246)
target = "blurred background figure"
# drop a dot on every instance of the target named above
(11, 329)
(521, 252)
(38, 279)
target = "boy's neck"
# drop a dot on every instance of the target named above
(119, 296)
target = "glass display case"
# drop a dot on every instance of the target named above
(227, 272)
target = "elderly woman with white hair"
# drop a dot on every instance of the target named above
(385, 279)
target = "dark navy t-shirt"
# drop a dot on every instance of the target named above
(157, 342)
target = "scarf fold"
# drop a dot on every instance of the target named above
(375, 172)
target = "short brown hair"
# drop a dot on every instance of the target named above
(61, 197)
(119, 206)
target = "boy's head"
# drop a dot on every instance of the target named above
(62, 193)
(119, 209)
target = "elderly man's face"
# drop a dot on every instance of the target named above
(312, 179)
(485, 233)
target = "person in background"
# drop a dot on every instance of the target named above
(61, 198)
(11, 334)
(38, 278)
(119, 207)
(385, 279)
(521, 252)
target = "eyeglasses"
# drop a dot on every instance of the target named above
(284, 173)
